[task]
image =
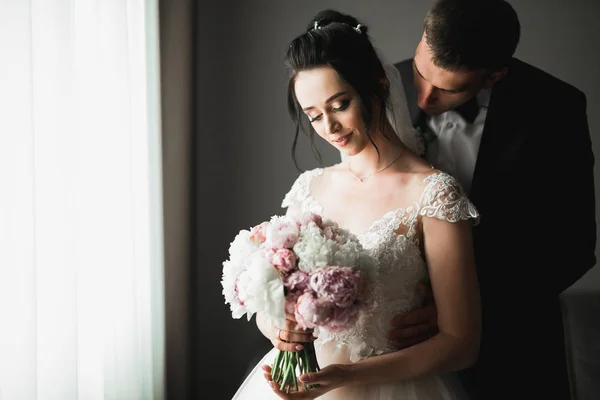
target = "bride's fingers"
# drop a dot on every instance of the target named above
(294, 336)
(292, 326)
(280, 342)
(266, 368)
(296, 394)
(290, 317)
(287, 346)
(267, 374)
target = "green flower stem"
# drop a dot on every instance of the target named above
(276, 369)
(287, 366)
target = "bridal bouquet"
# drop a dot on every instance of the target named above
(302, 265)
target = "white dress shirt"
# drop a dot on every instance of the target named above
(457, 142)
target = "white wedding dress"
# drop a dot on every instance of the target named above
(400, 268)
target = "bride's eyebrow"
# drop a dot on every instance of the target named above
(335, 96)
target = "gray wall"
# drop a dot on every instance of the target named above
(244, 134)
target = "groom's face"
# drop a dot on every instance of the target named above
(440, 90)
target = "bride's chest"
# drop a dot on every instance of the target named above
(395, 255)
(357, 209)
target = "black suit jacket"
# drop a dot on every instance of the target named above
(534, 187)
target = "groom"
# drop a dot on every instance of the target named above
(517, 139)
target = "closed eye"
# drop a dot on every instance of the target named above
(449, 91)
(343, 106)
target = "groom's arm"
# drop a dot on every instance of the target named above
(566, 235)
(542, 236)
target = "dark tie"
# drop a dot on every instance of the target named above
(469, 110)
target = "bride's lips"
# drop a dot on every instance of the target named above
(342, 140)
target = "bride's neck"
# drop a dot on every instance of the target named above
(372, 159)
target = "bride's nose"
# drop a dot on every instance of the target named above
(331, 125)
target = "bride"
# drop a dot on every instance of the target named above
(414, 220)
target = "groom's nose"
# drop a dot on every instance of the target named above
(426, 96)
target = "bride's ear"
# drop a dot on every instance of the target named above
(384, 89)
(384, 83)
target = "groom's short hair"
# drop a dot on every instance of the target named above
(472, 34)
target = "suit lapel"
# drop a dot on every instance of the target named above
(501, 136)
(485, 154)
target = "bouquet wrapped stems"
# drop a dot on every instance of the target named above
(288, 366)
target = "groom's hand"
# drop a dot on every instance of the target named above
(416, 326)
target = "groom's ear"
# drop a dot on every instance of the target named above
(492, 77)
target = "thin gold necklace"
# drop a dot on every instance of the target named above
(364, 178)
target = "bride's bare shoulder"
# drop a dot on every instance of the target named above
(328, 177)
(416, 169)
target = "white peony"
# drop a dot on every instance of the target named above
(313, 249)
(260, 289)
(231, 271)
(241, 247)
(239, 251)
(347, 254)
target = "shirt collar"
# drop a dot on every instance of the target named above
(483, 97)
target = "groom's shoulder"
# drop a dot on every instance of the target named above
(527, 75)
(406, 69)
(404, 65)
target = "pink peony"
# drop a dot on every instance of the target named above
(332, 231)
(296, 284)
(297, 281)
(257, 233)
(284, 260)
(338, 285)
(342, 319)
(307, 217)
(290, 303)
(282, 233)
(310, 312)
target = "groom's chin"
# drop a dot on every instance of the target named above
(432, 111)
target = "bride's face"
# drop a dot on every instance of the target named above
(333, 108)
(440, 90)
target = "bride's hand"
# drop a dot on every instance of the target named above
(331, 377)
(290, 337)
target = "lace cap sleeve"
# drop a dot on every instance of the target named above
(443, 198)
(300, 190)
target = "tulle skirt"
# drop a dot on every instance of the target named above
(446, 387)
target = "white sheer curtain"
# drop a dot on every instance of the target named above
(81, 254)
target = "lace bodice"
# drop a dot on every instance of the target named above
(400, 265)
